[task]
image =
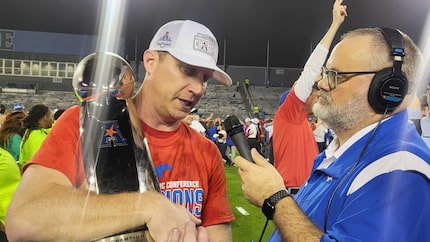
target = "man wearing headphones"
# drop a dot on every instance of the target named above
(373, 181)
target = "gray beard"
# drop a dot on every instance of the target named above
(341, 117)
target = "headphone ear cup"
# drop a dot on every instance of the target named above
(387, 91)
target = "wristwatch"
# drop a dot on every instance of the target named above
(268, 207)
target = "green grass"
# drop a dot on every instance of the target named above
(244, 228)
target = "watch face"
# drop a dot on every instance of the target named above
(268, 209)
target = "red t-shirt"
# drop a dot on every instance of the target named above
(294, 145)
(190, 166)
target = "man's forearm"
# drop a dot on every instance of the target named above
(293, 224)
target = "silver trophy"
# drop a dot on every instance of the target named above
(114, 150)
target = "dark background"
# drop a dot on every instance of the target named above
(293, 27)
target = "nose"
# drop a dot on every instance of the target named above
(323, 84)
(197, 86)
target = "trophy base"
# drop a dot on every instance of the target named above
(138, 236)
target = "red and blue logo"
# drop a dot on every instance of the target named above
(111, 135)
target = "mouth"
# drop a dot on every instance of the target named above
(323, 98)
(187, 105)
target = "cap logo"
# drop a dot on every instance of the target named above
(206, 44)
(165, 40)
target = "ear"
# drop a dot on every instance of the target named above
(150, 58)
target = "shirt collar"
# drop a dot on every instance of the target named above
(334, 150)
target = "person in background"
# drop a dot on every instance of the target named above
(268, 126)
(58, 113)
(11, 133)
(261, 134)
(188, 119)
(212, 128)
(251, 134)
(204, 121)
(37, 125)
(179, 62)
(294, 145)
(237, 88)
(425, 121)
(19, 107)
(269, 140)
(221, 142)
(414, 113)
(196, 124)
(2, 113)
(247, 83)
(424, 105)
(10, 175)
(373, 181)
(313, 121)
(320, 133)
(231, 149)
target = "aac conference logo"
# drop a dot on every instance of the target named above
(6, 39)
(111, 135)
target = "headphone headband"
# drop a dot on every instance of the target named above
(396, 44)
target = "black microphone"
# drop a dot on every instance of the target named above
(234, 129)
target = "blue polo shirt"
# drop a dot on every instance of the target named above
(385, 197)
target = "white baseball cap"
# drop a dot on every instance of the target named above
(18, 107)
(191, 43)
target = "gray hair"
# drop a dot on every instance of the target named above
(379, 53)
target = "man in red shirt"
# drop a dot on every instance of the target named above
(294, 146)
(179, 61)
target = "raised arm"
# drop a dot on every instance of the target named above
(339, 15)
(312, 68)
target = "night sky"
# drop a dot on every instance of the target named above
(293, 28)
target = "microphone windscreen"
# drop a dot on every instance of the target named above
(232, 125)
(234, 129)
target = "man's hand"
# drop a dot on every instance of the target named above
(166, 217)
(192, 234)
(259, 180)
(339, 12)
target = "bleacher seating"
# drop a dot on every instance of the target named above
(267, 98)
(218, 99)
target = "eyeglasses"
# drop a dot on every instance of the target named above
(331, 76)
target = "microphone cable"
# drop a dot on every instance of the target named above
(264, 230)
(352, 169)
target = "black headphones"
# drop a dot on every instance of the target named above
(389, 85)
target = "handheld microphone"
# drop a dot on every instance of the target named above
(234, 129)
